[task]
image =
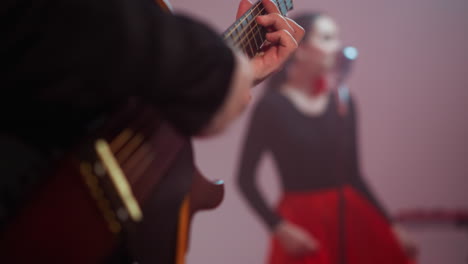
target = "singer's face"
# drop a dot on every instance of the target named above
(319, 50)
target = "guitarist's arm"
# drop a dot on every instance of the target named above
(87, 57)
(284, 37)
(202, 71)
(236, 100)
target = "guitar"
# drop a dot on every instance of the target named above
(97, 193)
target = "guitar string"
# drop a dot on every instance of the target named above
(245, 27)
(249, 36)
(252, 35)
(245, 16)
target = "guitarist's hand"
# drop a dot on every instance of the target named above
(284, 36)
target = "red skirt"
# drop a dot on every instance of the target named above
(368, 238)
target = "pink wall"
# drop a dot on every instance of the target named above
(411, 84)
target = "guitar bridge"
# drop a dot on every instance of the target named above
(119, 181)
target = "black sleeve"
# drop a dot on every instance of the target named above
(83, 55)
(196, 68)
(67, 63)
(357, 179)
(255, 144)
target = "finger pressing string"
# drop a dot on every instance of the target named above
(275, 21)
(299, 32)
(270, 7)
(282, 38)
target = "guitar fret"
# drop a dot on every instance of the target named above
(243, 46)
(249, 14)
(235, 25)
(258, 35)
(254, 34)
(252, 28)
(246, 34)
(251, 48)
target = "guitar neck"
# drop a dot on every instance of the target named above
(246, 34)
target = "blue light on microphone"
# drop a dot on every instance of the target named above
(350, 52)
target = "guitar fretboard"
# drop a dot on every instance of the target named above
(246, 34)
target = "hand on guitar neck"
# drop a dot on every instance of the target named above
(278, 41)
(262, 26)
(268, 50)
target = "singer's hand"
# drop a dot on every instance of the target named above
(295, 240)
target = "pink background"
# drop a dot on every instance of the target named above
(411, 84)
